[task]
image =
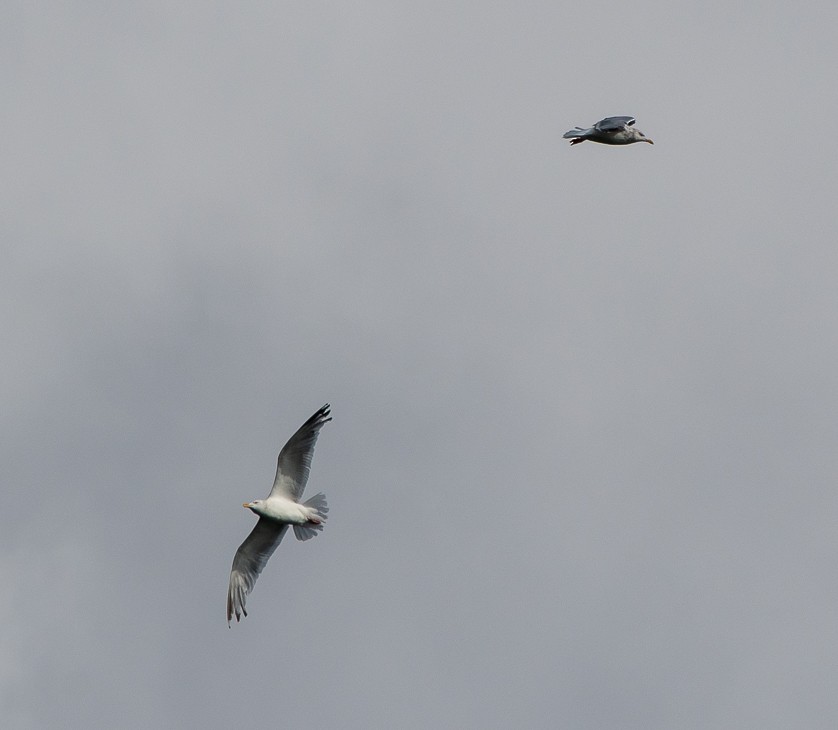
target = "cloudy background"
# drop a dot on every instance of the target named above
(582, 469)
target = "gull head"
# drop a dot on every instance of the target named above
(257, 506)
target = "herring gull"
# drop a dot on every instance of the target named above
(281, 509)
(611, 130)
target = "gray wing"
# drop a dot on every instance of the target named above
(294, 463)
(612, 124)
(251, 557)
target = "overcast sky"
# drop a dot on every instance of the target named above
(582, 469)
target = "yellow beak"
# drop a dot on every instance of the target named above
(246, 504)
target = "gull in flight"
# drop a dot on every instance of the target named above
(280, 509)
(611, 130)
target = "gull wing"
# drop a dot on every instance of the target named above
(613, 124)
(294, 462)
(251, 557)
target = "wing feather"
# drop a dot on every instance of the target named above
(294, 462)
(613, 124)
(250, 558)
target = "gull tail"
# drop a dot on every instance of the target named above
(576, 135)
(310, 529)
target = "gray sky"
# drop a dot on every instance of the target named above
(582, 466)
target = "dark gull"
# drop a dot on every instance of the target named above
(611, 130)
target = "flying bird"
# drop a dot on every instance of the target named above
(611, 130)
(281, 509)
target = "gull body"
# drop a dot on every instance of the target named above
(281, 509)
(611, 130)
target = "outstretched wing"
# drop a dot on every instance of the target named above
(294, 463)
(251, 557)
(613, 124)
